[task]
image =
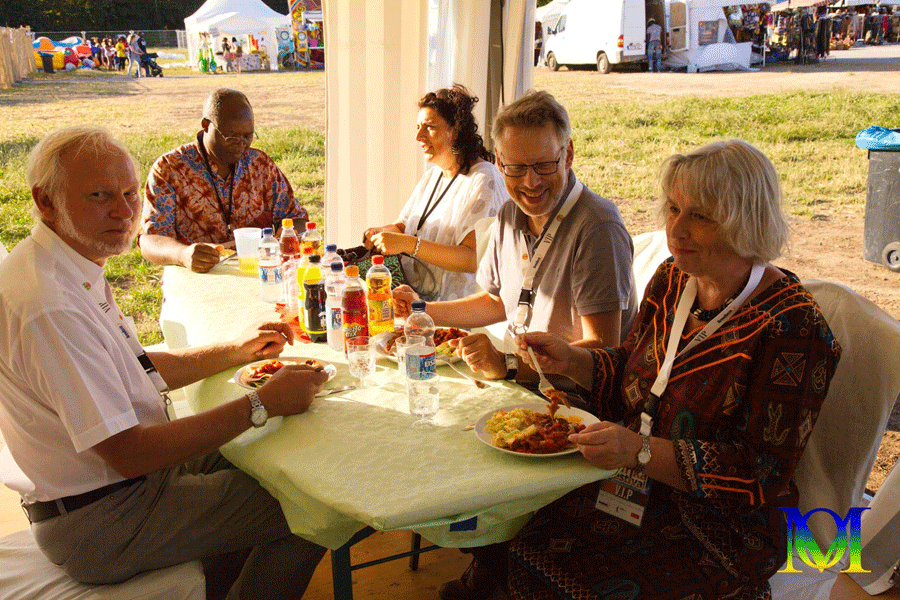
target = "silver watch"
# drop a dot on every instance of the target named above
(643, 456)
(258, 413)
(512, 366)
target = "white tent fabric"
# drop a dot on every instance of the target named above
(236, 17)
(722, 54)
(384, 56)
(548, 15)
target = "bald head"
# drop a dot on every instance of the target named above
(225, 103)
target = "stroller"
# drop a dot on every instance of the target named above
(148, 60)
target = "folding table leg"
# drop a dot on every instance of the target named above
(341, 576)
(415, 547)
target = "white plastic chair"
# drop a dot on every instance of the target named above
(838, 458)
(26, 574)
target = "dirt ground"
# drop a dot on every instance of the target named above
(824, 246)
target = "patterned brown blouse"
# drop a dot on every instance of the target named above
(739, 407)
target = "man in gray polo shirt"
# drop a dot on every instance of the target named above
(583, 288)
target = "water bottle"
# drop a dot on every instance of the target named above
(419, 322)
(269, 267)
(354, 318)
(290, 253)
(334, 289)
(381, 312)
(314, 315)
(312, 239)
(331, 256)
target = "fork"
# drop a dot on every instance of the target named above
(544, 386)
(480, 384)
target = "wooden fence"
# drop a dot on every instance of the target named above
(16, 55)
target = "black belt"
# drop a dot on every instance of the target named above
(41, 511)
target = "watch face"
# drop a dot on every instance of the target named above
(259, 416)
(643, 457)
(512, 362)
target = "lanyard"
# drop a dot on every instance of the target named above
(215, 187)
(428, 207)
(530, 267)
(672, 352)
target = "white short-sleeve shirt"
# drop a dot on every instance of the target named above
(473, 196)
(68, 377)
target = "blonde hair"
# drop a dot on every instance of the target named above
(44, 167)
(737, 186)
(534, 109)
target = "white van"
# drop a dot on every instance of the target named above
(602, 33)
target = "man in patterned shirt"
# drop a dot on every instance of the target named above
(198, 194)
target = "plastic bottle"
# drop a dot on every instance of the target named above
(302, 263)
(334, 289)
(331, 256)
(290, 253)
(381, 312)
(311, 238)
(269, 267)
(354, 318)
(419, 322)
(314, 315)
(421, 377)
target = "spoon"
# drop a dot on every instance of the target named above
(343, 388)
(446, 360)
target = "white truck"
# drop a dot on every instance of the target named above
(602, 33)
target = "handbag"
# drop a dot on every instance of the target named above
(361, 257)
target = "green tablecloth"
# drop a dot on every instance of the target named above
(355, 459)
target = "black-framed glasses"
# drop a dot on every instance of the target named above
(234, 140)
(541, 168)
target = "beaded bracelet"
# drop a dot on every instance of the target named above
(416, 251)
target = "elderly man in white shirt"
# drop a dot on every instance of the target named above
(111, 487)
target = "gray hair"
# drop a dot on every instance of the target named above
(221, 98)
(534, 109)
(736, 185)
(44, 167)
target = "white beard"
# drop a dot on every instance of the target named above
(65, 226)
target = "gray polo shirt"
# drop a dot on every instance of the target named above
(587, 269)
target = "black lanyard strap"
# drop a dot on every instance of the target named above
(215, 187)
(428, 207)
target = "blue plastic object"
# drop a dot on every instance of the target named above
(879, 138)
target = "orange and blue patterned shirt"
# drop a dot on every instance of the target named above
(188, 201)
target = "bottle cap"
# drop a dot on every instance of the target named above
(267, 231)
(336, 267)
(378, 259)
(417, 305)
(287, 223)
(314, 259)
(331, 248)
(310, 224)
(352, 271)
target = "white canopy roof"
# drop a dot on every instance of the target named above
(548, 15)
(236, 17)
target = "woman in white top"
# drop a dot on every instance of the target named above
(437, 224)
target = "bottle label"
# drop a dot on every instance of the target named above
(420, 363)
(334, 321)
(270, 275)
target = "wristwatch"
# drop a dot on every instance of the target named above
(512, 367)
(258, 413)
(643, 456)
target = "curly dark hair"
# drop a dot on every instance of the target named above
(455, 106)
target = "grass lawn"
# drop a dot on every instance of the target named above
(620, 140)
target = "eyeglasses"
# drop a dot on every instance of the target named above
(234, 140)
(541, 168)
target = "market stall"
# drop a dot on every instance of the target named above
(251, 22)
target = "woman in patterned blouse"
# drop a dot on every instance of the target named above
(728, 427)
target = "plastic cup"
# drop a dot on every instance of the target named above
(246, 241)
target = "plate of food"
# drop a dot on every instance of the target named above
(529, 430)
(384, 343)
(256, 374)
(225, 253)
